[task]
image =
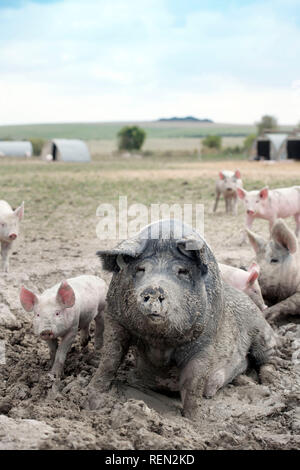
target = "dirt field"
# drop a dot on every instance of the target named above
(57, 241)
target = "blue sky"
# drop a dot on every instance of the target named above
(103, 60)
(21, 3)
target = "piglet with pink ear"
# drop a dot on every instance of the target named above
(226, 185)
(271, 204)
(246, 281)
(9, 230)
(63, 309)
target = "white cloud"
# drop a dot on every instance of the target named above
(226, 104)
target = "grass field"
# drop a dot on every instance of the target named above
(108, 131)
(47, 186)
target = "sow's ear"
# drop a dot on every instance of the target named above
(283, 236)
(257, 242)
(114, 260)
(237, 174)
(221, 175)
(194, 249)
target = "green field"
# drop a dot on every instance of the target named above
(108, 131)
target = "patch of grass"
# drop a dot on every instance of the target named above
(278, 182)
(56, 193)
(224, 156)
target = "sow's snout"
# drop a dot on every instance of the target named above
(152, 302)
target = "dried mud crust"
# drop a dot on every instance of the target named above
(245, 415)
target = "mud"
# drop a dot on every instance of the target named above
(36, 413)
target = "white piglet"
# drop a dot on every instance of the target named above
(271, 205)
(9, 230)
(63, 309)
(246, 281)
(226, 186)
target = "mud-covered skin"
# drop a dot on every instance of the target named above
(279, 278)
(226, 186)
(190, 332)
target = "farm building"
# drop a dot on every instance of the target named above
(268, 146)
(291, 146)
(66, 150)
(277, 146)
(11, 148)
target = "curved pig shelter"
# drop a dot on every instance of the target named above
(15, 148)
(66, 150)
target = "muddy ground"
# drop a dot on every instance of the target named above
(34, 414)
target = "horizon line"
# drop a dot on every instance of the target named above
(138, 121)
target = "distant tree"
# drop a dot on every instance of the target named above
(131, 138)
(267, 122)
(248, 142)
(212, 142)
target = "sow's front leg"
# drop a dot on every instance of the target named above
(99, 321)
(263, 351)
(193, 379)
(115, 347)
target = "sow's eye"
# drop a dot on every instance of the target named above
(274, 260)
